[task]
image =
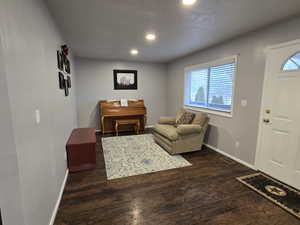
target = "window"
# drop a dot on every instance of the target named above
(293, 63)
(209, 87)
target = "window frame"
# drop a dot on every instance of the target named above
(218, 62)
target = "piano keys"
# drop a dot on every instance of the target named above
(110, 111)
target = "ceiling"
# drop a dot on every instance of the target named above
(108, 29)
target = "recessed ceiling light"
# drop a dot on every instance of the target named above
(134, 52)
(189, 2)
(150, 37)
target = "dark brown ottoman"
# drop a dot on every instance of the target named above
(81, 150)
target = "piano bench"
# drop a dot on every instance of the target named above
(135, 123)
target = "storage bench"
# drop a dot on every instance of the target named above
(81, 150)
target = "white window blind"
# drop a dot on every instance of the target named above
(210, 86)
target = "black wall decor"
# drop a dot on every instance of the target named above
(60, 63)
(65, 50)
(67, 66)
(66, 88)
(61, 79)
(125, 79)
(64, 66)
(69, 81)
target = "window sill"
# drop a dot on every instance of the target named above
(209, 111)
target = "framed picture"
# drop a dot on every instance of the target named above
(66, 88)
(125, 79)
(61, 79)
(69, 81)
(60, 62)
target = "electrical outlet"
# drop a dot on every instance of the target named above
(244, 102)
(237, 144)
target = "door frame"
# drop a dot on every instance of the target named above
(261, 114)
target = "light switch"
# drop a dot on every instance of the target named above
(244, 102)
(37, 116)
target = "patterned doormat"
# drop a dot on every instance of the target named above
(282, 195)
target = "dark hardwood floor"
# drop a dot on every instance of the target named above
(205, 193)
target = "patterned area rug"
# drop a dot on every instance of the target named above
(282, 195)
(138, 154)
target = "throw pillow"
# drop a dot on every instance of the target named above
(186, 118)
(200, 118)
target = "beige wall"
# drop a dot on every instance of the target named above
(29, 40)
(243, 127)
(94, 80)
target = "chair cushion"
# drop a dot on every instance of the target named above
(167, 120)
(189, 129)
(167, 131)
(186, 118)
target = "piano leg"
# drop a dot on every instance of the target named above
(138, 127)
(102, 124)
(116, 128)
(145, 121)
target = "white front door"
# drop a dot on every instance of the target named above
(279, 141)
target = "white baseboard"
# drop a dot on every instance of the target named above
(52, 220)
(231, 157)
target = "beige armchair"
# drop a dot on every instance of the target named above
(182, 138)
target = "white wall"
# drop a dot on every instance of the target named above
(29, 39)
(243, 127)
(94, 80)
(10, 195)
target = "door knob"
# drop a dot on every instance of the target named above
(266, 121)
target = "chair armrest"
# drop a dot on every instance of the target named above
(167, 120)
(188, 129)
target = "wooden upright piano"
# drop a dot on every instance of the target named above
(112, 110)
